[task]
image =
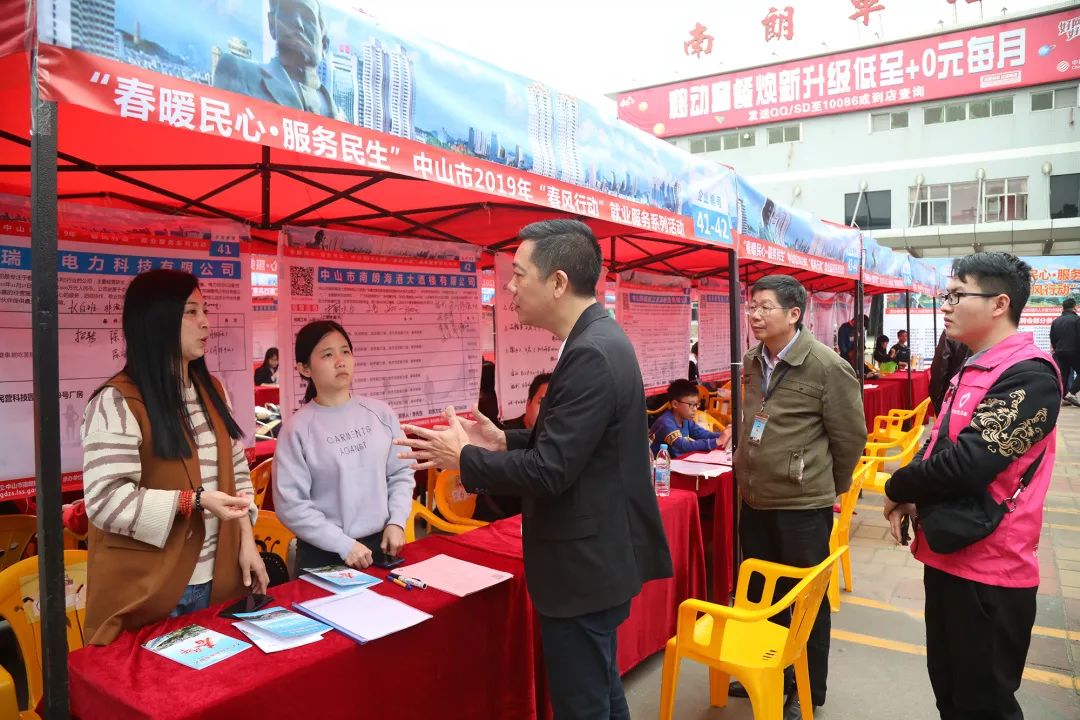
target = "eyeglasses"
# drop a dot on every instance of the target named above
(695, 404)
(762, 309)
(952, 298)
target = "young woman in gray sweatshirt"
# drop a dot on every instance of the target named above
(338, 484)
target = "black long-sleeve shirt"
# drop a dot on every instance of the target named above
(1018, 411)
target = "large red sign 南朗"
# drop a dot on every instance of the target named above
(1022, 53)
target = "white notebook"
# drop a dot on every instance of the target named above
(454, 576)
(363, 615)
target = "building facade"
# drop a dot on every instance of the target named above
(933, 172)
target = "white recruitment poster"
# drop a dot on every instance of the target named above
(714, 329)
(521, 352)
(654, 310)
(923, 339)
(100, 251)
(411, 308)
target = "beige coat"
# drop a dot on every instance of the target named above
(815, 431)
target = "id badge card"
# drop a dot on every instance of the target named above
(758, 428)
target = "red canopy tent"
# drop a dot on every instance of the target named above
(61, 151)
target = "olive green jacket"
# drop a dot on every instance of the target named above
(815, 431)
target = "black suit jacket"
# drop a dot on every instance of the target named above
(591, 525)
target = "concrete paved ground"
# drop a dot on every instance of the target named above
(878, 666)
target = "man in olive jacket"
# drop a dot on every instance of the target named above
(802, 433)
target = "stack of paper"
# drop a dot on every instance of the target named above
(338, 578)
(195, 646)
(454, 576)
(276, 628)
(697, 469)
(713, 457)
(364, 615)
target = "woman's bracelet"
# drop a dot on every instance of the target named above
(198, 500)
(186, 501)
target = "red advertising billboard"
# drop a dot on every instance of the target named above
(1021, 53)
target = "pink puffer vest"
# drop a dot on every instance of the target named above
(1008, 557)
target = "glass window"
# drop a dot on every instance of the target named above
(880, 122)
(792, 133)
(994, 187)
(1001, 106)
(713, 143)
(1042, 101)
(874, 211)
(965, 201)
(776, 135)
(933, 115)
(955, 113)
(697, 145)
(939, 212)
(979, 109)
(899, 120)
(939, 192)
(1065, 97)
(731, 141)
(1065, 196)
(748, 138)
(1016, 185)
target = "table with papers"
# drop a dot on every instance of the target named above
(476, 657)
(653, 612)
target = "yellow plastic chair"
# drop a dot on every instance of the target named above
(19, 606)
(16, 532)
(841, 531)
(261, 475)
(453, 501)
(719, 405)
(9, 702)
(653, 414)
(898, 422)
(708, 422)
(743, 642)
(433, 521)
(271, 535)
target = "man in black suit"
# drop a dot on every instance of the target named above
(591, 526)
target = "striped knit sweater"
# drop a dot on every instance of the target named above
(111, 473)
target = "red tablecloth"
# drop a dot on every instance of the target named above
(267, 394)
(478, 657)
(879, 400)
(920, 386)
(261, 450)
(723, 539)
(653, 613)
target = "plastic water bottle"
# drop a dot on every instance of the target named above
(662, 472)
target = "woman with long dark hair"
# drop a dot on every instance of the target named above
(166, 482)
(266, 374)
(338, 484)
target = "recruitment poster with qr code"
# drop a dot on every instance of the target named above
(714, 329)
(100, 251)
(654, 310)
(411, 308)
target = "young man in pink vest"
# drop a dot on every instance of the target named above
(997, 420)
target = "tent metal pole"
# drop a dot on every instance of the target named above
(907, 312)
(859, 361)
(934, 301)
(46, 347)
(735, 313)
(264, 183)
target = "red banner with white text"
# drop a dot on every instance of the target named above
(1022, 53)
